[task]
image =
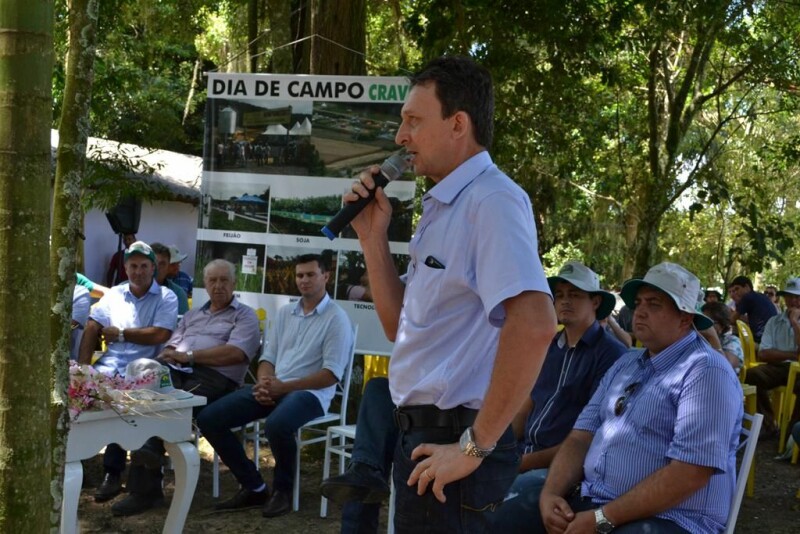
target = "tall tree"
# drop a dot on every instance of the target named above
(338, 30)
(67, 219)
(26, 65)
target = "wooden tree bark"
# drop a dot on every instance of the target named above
(67, 220)
(26, 63)
(280, 24)
(339, 39)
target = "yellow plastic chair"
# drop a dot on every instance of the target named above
(375, 366)
(748, 347)
(789, 399)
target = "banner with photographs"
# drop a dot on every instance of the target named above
(279, 153)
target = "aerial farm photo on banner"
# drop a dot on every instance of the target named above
(279, 153)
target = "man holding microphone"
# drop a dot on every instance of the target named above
(472, 317)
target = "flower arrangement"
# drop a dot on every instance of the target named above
(92, 390)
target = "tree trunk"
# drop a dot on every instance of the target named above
(280, 24)
(26, 68)
(339, 39)
(68, 217)
(301, 26)
(252, 35)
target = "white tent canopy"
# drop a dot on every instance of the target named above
(275, 129)
(301, 129)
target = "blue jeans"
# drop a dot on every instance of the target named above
(468, 499)
(521, 504)
(650, 525)
(376, 438)
(282, 421)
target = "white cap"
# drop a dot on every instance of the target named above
(792, 287)
(175, 255)
(682, 287)
(585, 279)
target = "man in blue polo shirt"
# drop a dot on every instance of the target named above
(577, 359)
(751, 304)
(655, 448)
(135, 319)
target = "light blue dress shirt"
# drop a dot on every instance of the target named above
(474, 247)
(687, 407)
(299, 345)
(779, 335)
(121, 308)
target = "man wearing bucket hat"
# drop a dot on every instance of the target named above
(576, 360)
(175, 274)
(778, 348)
(655, 448)
(134, 319)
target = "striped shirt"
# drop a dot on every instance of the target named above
(686, 406)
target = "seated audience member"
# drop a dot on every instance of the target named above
(576, 361)
(116, 267)
(772, 293)
(756, 306)
(778, 349)
(624, 318)
(175, 274)
(95, 290)
(307, 351)
(135, 319)
(365, 485)
(655, 448)
(208, 355)
(712, 295)
(81, 304)
(162, 269)
(731, 346)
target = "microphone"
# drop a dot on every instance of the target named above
(391, 169)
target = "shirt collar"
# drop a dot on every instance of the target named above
(589, 337)
(233, 304)
(452, 184)
(154, 288)
(668, 357)
(298, 308)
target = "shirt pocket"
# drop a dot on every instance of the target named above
(423, 295)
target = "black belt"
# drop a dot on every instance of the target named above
(429, 416)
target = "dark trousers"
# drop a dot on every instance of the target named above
(376, 438)
(766, 377)
(282, 421)
(202, 381)
(467, 499)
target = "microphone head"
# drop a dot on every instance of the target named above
(394, 166)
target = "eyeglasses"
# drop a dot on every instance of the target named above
(622, 402)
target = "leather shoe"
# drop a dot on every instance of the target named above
(279, 504)
(361, 483)
(244, 498)
(136, 503)
(110, 488)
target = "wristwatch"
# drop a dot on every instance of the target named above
(190, 357)
(468, 446)
(121, 336)
(601, 524)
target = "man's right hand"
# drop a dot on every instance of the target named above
(556, 513)
(375, 217)
(261, 392)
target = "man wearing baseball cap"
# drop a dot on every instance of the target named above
(655, 448)
(134, 319)
(778, 348)
(576, 361)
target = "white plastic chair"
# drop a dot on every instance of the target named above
(749, 444)
(319, 434)
(342, 433)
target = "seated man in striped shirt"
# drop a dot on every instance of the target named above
(655, 448)
(576, 361)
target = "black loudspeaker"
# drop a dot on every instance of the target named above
(124, 217)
